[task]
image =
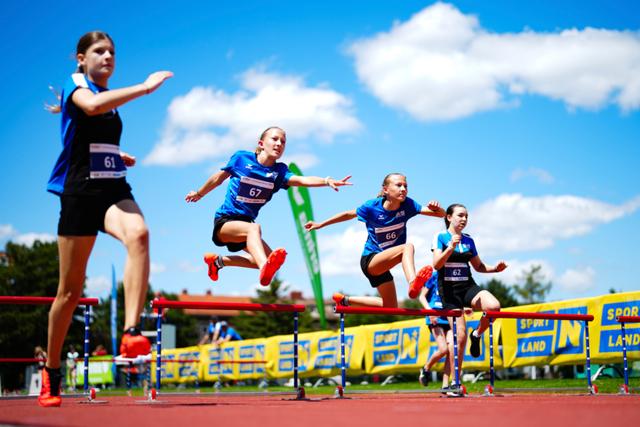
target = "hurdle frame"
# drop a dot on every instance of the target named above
(87, 303)
(624, 389)
(457, 389)
(491, 315)
(159, 304)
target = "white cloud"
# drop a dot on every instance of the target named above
(501, 226)
(189, 267)
(209, 123)
(98, 286)
(575, 280)
(541, 175)
(29, 239)
(512, 222)
(302, 160)
(157, 268)
(7, 231)
(442, 65)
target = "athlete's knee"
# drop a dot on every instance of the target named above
(138, 237)
(493, 305)
(408, 247)
(254, 227)
(67, 297)
(443, 348)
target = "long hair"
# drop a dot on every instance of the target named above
(385, 182)
(450, 210)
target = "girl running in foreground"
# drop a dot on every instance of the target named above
(254, 179)
(386, 217)
(452, 253)
(90, 178)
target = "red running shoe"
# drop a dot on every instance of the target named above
(50, 390)
(134, 344)
(421, 278)
(271, 267)
(210, 260)
(339, 299)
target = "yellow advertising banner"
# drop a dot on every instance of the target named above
(529, 342)
(235, 360)
(318, 353)
(407, 345)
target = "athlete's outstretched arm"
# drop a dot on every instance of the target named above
(316, 181)
(214, 180)
(99, 103)
(481, 267)
(433, 208)
(339, 217)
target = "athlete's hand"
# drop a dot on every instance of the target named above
(335, 183)
(311, 226)
(455, 240)
(501, 266)
(128, 159)
(434, 206)
(156, 79)
(193, 196)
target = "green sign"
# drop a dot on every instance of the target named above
(99, 370)
(302, 212)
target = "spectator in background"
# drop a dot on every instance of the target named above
(212, 332)
(39, 353)
(99, 351)
(227, 333)
(72, 367)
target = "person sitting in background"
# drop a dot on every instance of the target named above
(227, 333)
(212, 332)
(72, 367)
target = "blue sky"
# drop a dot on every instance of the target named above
(528, 115)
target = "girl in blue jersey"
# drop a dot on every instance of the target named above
(254, 178)
(386, 217)
(453, 251)
(89, 177)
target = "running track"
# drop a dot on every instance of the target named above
(361, 410)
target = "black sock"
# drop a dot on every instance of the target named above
(133, 331)
(55, 378)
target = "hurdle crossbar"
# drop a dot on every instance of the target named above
(15, 300)
(86, 302)
(342, 310)
(586, 318)
(622, 320)
(296, 309)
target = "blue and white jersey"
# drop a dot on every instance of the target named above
(386, 229)
(456, 269)
(251, 184)
(90, 161)
(235, 336)
(433, 298)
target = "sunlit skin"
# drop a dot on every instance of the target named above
(484, 300)
(395, 190)
(123, 220)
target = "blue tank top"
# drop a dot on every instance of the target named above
(433, 298)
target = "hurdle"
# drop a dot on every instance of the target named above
(624, 388)
(87, 303)
(458, 389)
(159, 304)
(491, 315)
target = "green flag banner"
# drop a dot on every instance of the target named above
(302, 212)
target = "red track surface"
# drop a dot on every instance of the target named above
(402, 410)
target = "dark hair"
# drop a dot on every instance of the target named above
(450, 210)
(264, 133)
(385, 182)
(88, 40)
(85, 42)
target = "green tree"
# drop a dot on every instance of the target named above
(30, 271)
(534, 289)
(502, 292)
(264, 324)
